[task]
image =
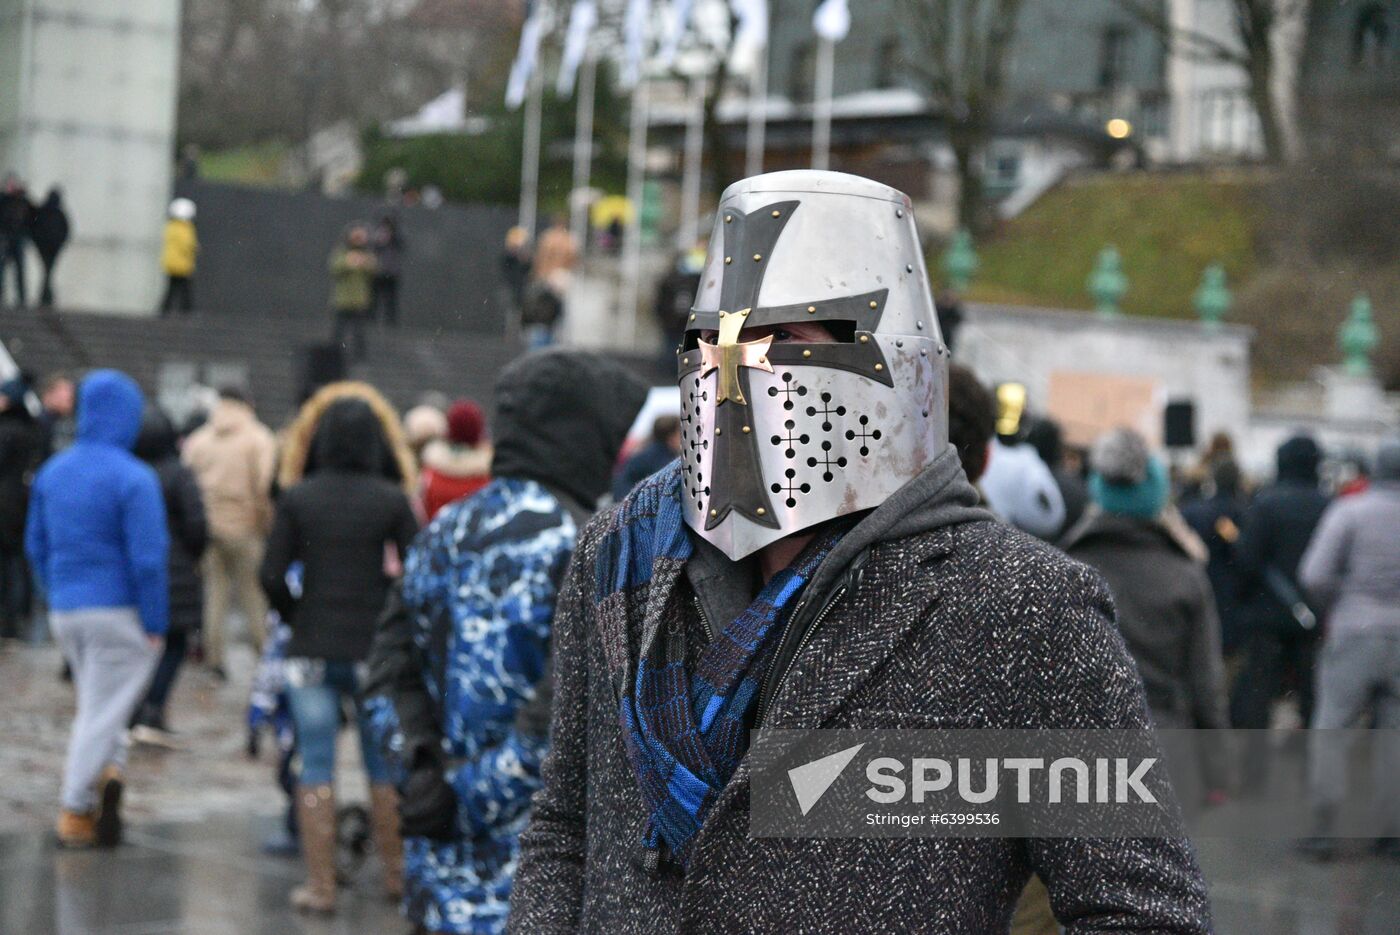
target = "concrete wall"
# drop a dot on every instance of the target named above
(1187, 360)
(88, 92)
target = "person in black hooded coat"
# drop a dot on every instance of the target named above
(1278, 526)
(19, 456)
(157, 445)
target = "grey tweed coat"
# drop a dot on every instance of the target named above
(968, 625)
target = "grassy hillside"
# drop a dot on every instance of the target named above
(1167, 228)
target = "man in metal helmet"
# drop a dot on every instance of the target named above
(815, 559)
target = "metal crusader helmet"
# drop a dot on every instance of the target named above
(777, 437)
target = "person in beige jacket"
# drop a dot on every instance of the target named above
(232, 456)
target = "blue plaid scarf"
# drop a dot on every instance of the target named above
(685, 732)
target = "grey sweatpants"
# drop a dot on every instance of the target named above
(1357, 673)
(112, 662)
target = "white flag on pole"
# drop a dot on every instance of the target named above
(634, 29)
(680, 22)
(832, 21)
(582, 19)
(752, 33)
(527, 58)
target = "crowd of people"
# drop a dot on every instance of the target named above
(553, 654)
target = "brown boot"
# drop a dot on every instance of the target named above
(77, 829)
(316, 827)
(384, 824)
(109, 807)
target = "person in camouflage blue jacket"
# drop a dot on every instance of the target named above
(459, 675)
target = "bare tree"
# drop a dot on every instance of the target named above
(260, 70)
(1266, 42)
(961, 48)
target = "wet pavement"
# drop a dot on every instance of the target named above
(193, 863)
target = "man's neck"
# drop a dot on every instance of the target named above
(779, 555)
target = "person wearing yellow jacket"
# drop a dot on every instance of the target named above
(177, 257)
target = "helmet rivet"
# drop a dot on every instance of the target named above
(761, 511)
(899, 212)
(865, 339)
(811, 310)
(747, 430)
(745, 312)
(692, 316)
(899, 344)
(728, 218)
(714, 512)
(879, 367)
(874, 304)
(777, 214)
(925, 413)
(719, 431)
(909, 267)
(757, 257)
(923, 352)
(728, 260)
(722, 314)
(919, 325)
(806, 353)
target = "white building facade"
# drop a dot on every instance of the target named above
(87, 103)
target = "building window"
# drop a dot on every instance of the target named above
(889, 64)
(1113, 57)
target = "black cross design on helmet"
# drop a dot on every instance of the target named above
(736, 481)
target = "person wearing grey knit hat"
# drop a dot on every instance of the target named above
(1166, 608)
(1351, 572)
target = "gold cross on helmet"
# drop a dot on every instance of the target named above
(728, 354)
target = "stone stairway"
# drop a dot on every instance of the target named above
(264, 352)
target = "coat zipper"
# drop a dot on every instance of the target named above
(704, 621)
(766, 700)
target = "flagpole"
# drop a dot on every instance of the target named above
(583, 149)
(530, 158)
(821, 104)
(758, 114)
(632, 236)
(694, 159)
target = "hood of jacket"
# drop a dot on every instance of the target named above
(156, 440)
(109, 409)
(458, 460)
(561, 418)
(1298, 459)
(396, 461)
(1166, 531)
(939, 496)
(1388, 463)
(348, 439)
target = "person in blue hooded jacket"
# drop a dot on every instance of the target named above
(96, 537)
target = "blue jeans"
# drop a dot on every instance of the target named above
(316, 711)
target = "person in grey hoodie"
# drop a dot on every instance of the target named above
(1351, 570)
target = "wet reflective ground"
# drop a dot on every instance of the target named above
(207, 878)
(193, 865)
